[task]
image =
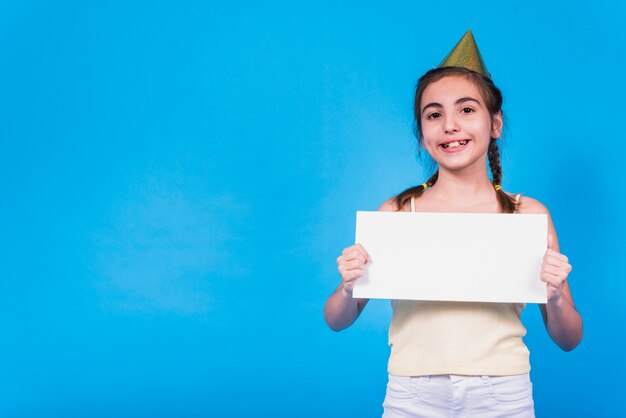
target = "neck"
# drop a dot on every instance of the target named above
(464, 187)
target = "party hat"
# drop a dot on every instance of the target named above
(465, 54)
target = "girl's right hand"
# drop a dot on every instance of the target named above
(351, 266)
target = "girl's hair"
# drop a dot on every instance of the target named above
(493, 100)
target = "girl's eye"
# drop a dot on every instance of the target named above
(434, 115)
(467, 110)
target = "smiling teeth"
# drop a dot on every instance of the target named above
(454, 144)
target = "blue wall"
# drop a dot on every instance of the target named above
(178, 178)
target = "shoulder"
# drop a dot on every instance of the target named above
(529, 205)
(388, 205)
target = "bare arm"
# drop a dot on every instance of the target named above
(562, 320)
(341, 309)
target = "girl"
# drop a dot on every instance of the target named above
(453, 358)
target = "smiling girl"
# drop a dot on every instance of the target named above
(461, 358)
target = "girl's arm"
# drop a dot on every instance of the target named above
(341, 309)
(560, 316)
(562, 320)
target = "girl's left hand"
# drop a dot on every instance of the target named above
(554, 271)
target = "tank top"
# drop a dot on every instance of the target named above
(463, 338)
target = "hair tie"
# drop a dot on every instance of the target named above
(425, 186)
(497, 187)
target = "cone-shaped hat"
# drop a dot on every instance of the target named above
(466, 54)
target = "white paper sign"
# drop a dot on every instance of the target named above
(472, 257)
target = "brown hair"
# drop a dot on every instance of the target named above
(493, 101)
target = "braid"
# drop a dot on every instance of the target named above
(506, 202)
(415, 191)
(494, 162)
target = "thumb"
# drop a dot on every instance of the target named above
(550, 241)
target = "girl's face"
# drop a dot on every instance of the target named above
(456, 124)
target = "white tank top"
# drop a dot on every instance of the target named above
(465, 338)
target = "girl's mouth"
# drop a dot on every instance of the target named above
(454, 146)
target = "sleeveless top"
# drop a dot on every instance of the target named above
(463, 338)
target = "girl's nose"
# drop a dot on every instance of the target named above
(450, 125)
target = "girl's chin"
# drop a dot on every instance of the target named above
(457, 164)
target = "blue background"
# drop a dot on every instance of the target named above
(177, 180)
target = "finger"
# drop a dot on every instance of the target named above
(558, 255)
(354, 264)
(551, 279)
(550, 241)
(362, 251)
(352, 253)
(353, 275)
(555, 279)
(557, 260)
(354, 256)
(346, 270)
(561, 268)
(343, 259)
(355, 247)
(555, 255)
(557, 271)
(557, 264)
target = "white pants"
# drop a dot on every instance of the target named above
(459, 396)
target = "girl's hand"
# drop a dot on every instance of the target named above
(351, 266)
(554, 271)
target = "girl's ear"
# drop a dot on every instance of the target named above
(496, 125)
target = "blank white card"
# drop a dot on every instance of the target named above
(472, 257)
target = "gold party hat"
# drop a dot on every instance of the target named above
(465, 54)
